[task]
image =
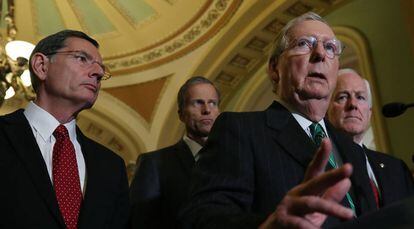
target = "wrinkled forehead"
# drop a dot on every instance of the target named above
(76, 43)
(311, 28)
(352, 83)
(201, 90)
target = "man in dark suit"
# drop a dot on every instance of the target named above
(161, 182)
(259, 169)
(52, 175)
(350, 111)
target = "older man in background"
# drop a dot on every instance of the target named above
(350, 111)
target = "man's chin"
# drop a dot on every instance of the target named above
(353, 130)
(88, 103)
(306, 95)
(203, 132)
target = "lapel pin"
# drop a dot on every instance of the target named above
(382, 165)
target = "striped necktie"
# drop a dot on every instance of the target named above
(318, 134)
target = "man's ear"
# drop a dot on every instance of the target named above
(370, 113)
(40, 65)
(273, 73)
(180, 115)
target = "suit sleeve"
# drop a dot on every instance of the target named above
(122, 205)
(409, 182)
(145, 194)
(222, 184)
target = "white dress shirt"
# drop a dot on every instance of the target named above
(193, 145)
(305, 123)
(371, 174)
(43, 125)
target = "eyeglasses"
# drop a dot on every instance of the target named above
(85, 60)
(306, 44)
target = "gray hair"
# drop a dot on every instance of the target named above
(281, 40)
(367, 84)
(190, 82)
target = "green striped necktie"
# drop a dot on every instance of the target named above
(318, 134)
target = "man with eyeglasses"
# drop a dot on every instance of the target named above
(52, 175)
(350, 111)
(285, 166)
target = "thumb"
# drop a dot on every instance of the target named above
(319, 161)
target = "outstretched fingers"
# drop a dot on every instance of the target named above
(326, 204)
(319, 185)
(308, 204)
(338, 191)
(319, 161)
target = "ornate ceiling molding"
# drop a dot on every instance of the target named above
(191, 36)
(129, 17)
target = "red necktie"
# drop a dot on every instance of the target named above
(375, 191)
(66, 177)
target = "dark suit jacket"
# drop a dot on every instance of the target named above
(160, 186)
(249, 163)
(27, 196)
(394, 178)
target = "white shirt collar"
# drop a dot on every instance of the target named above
(193, 145)
(44, 123)
(303, 122)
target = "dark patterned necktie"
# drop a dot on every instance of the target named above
(66, 177)
(318, 134)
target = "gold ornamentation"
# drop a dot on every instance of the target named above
(298, 9)
(125, 14)
(214, 18)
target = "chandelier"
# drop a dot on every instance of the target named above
(14, 65)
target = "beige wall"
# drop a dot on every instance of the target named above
(385, 28)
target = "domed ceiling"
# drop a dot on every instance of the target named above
(134, 34)
(153, 46)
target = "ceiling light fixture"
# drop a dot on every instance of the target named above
(14, 56)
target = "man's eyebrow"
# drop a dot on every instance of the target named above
(85, 53)
(361, 92)
(197, 100)
(342, 92)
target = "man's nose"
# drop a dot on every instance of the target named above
(318, 53)
(352, 103)
(96, 70)
(206, 109)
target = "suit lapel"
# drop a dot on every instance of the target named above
(17, 129)
(352, 153)
(287, 132)
(93, 184)
(290, 135)
(185, 156)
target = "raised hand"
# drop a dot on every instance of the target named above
(309, 204)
